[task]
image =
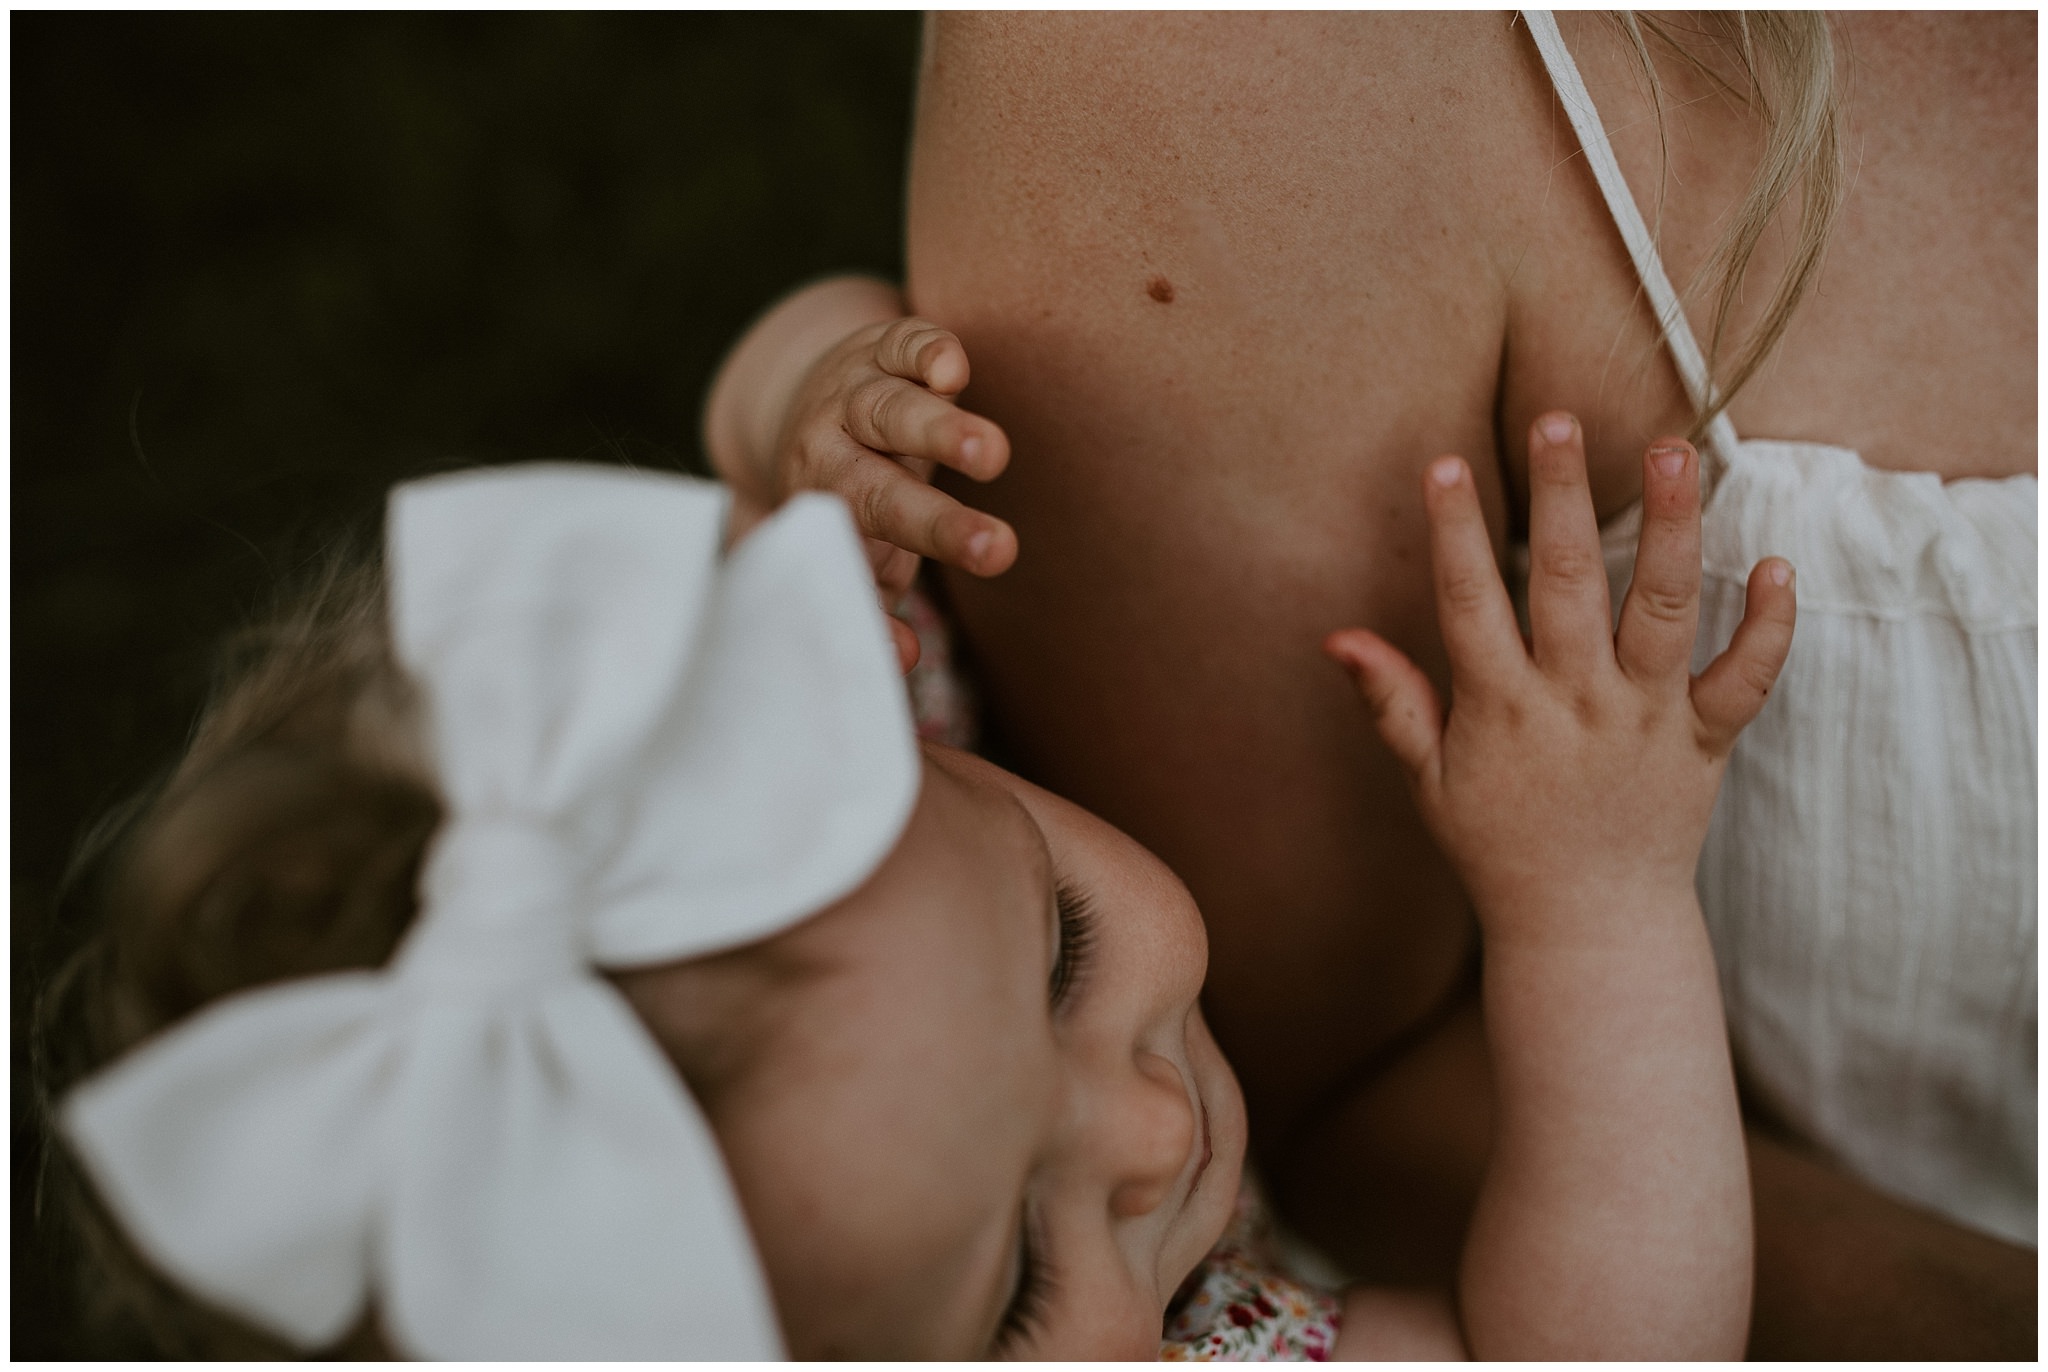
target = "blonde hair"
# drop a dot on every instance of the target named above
(285, 843)
(1784, 69)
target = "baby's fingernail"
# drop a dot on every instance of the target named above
(978, 546)
(1444, 471)
(1558, 428)
(1781, 574)
(1668, 458)
(970, 448)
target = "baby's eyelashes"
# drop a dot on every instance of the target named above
(1076, 911)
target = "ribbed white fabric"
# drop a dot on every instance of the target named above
(1870, 874)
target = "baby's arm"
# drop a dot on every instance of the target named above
(836, 389)
(1572, 784)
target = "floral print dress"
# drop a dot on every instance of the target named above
(941, 699)
(1242, 1305)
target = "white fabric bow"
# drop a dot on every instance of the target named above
(646, 754)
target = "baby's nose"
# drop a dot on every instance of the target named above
(1154, 1128)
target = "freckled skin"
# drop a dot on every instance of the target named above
(1380, 246)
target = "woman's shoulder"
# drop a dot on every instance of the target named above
(1914, 343)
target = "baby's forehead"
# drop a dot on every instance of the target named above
(891, 1232)
(914, 1082)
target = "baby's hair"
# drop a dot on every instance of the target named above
(285, 843)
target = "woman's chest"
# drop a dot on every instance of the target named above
(1223, 271)
(1254, 245)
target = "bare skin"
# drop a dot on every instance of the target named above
(1228, 282)
(1059, 1097)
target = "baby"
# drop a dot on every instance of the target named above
(932, 1077)
(1575, 833)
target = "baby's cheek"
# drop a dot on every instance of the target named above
(1124, 1330)
(1217, 1194)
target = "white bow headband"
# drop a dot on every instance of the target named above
(646, 755)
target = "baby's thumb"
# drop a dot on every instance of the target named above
(908, 650)
(1403, 703)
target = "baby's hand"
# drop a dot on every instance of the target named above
(1578, 773)
(834, 389)
(869, 421)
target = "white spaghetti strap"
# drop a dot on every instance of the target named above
(1642, 247)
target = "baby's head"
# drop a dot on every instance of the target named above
(977, 1110)
(968, 1108)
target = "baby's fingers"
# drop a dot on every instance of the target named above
(895, 568)
(1662, 609)
(1403, 703)
(1730, 692)
(1472, 608)
(1569, 627)
(902, 419)
(890, 504)
(904, 637)
(919, 350)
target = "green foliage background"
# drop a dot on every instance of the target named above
(265, 265)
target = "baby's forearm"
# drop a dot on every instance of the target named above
(751, 394)
(1614, 1220)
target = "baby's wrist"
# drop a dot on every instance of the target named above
(1588, 912)
(755, 390)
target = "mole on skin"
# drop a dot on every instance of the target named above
(1161, 290)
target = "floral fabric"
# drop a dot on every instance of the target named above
(1241, 1305)
(941, 700)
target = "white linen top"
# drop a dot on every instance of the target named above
(1869, 877)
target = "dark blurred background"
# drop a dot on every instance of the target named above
(266, 265)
